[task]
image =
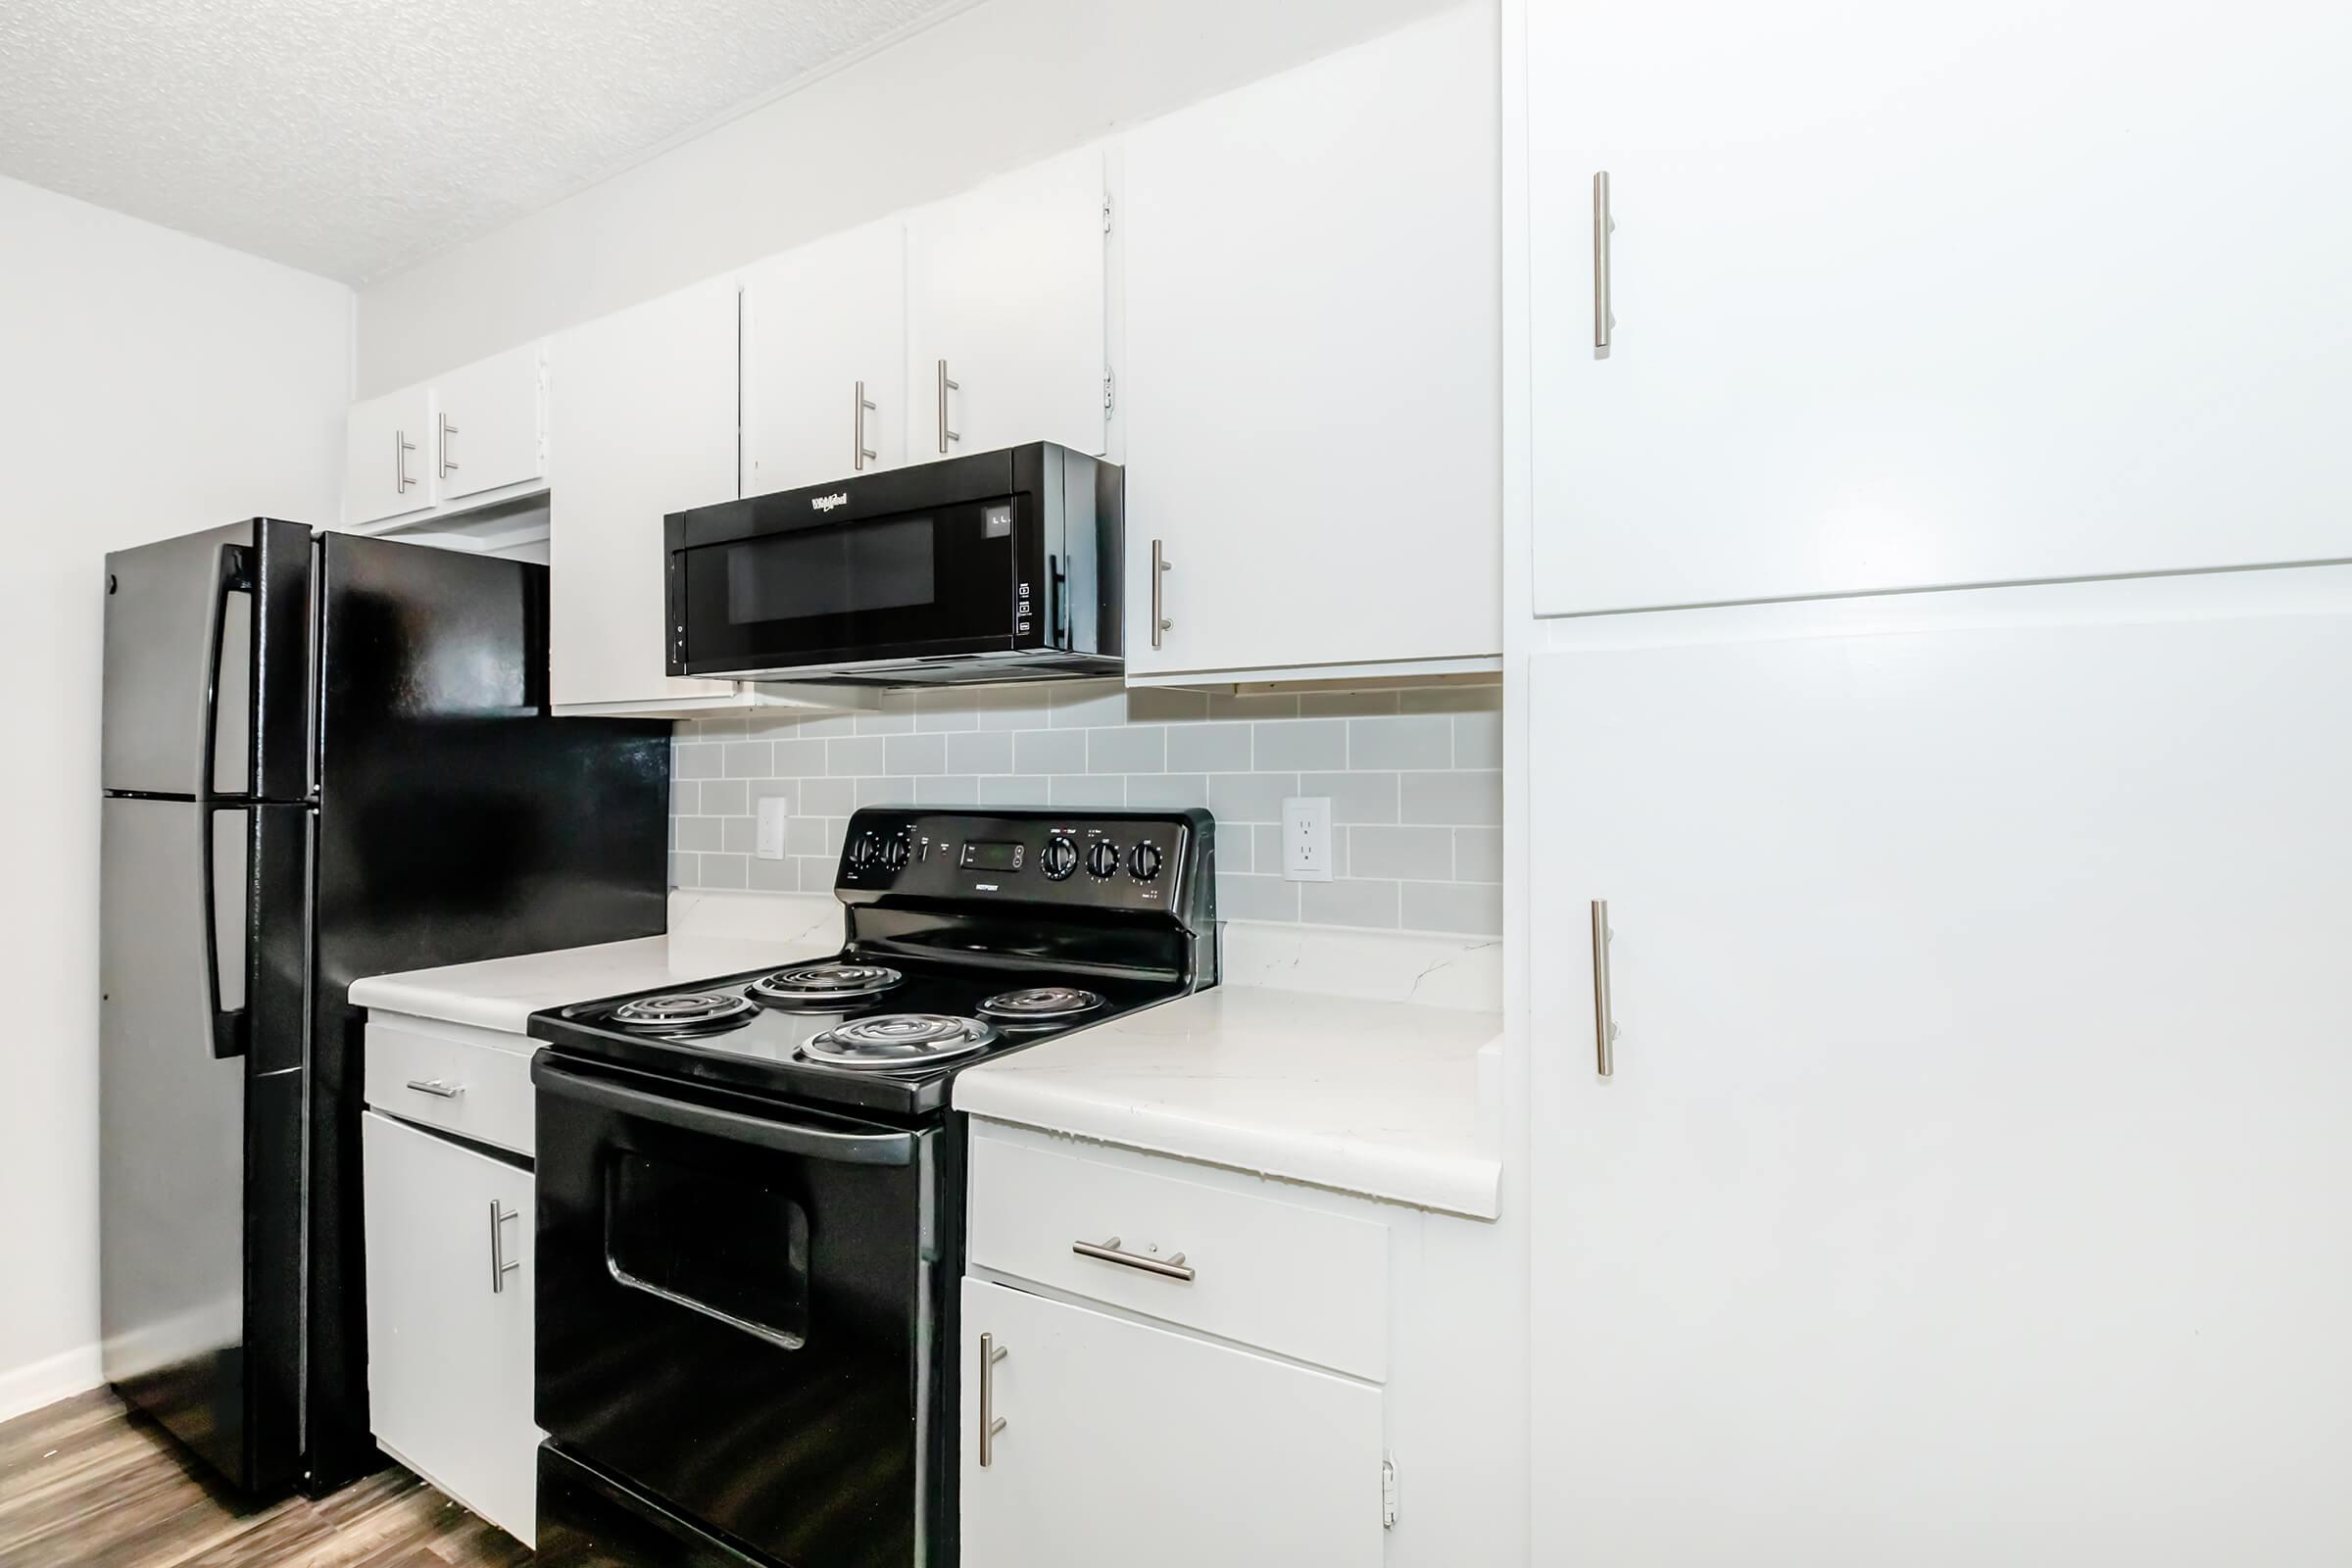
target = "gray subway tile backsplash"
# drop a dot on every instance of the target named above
(1412, 740)
(1127, 748)
(1042, 750)
(908, 755)
(1410, 853)
(1470, 799)
(1208, 748)
(1298, 745)
(980, 752)
(1413, 777)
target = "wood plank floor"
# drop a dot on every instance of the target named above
(83, 1485)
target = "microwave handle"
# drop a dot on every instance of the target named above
(778, 1137)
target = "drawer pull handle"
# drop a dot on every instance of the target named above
(1172, 1269)
(438, 1088)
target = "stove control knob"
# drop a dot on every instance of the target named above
(896, 853)
(1145, 861)
(1061, 858)
(865, 850)
(1103, 859)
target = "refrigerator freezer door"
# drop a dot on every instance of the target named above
(190, 1131)
(207, 685)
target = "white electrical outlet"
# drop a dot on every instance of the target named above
(768, 841)
(1306, 838)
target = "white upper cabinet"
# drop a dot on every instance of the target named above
(1971, 1186)
(474, 435)
(1005, 313)
(388, 456)
(824, 360)
(490, 424)
(644, 412)
(1910, 296)
(1312, 393)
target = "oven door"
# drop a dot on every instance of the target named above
(737, 1308)
(940, 582)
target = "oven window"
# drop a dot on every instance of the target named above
(729, 1249)
(834, 571)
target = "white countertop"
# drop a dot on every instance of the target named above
(503, 993)
(1383, 1099)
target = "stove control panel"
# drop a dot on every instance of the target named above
(1138, 861)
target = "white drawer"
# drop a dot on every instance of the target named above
(1299, 1281)
(475, 1083)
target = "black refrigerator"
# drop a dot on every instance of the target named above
(325, 757)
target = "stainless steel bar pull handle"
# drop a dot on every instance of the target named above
(991, 1352)
(500, 1268)
(438, 1088)
(858, 415)
(448, 465)
(1172, 1267)
(1159, 566)
(946, 386)
(1603, 317)
(1604, 1018)
(402, 446)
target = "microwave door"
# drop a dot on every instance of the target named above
(913, 585)
(206, 681)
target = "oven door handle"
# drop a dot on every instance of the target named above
(783, 1138)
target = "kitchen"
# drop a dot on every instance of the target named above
(1625, 907)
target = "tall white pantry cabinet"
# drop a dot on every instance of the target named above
(1967, 1182)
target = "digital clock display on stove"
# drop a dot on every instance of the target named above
(988, 856)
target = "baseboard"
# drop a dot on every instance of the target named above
(44, 1382)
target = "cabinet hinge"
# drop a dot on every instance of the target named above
(1105, 214)
(1106, 396)
(1387, 1494)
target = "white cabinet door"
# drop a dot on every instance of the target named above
(1973, 1184)
(1912, 295)
(1153, 1449)
(824, 327)
(449, 1319)
(1311, 394)
(1005, 299)
(388, 456)
(643, 413)
(491, 424)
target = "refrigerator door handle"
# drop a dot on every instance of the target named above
(230, 1026)
(235, 575)
(227, 1025)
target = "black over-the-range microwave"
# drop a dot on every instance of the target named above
(998, 566)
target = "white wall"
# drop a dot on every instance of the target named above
(150, 384)
(988, 89)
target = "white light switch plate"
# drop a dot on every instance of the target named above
(1306, 838)
(769, 843)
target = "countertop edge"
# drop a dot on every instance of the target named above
(1464, 1185)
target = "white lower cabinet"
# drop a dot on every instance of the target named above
(1971, 1186)
(1149, 1448)
(449, 1318)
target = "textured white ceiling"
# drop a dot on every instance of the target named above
(351, 137)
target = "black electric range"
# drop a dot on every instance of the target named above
(751, 1189)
